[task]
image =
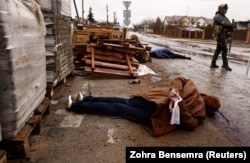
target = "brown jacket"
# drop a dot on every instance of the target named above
(192, 108)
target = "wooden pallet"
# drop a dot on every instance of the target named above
(3, 158)
(19, 146)
(81, 36)
(111, 59)
(50, 86)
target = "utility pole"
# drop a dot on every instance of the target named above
(76, 11)
(115, 19)
(107, 15)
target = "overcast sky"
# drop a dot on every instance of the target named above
(151, 9)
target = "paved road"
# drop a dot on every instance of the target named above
(203, 49)
(68, 137)
(232, 87)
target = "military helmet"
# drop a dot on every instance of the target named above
(223, 6)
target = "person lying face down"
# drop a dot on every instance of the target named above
(161, 110)
(164, 53)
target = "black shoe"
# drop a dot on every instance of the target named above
(214, 66)
(226, 68)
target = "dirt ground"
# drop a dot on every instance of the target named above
(96, 138)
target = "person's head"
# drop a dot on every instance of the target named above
(212, 103)
(223, 8)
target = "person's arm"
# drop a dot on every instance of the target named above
(187, 120)
(223, 21)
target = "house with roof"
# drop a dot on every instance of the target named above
(192, 27)
(202, 22)
(243, 24)
(186, 21)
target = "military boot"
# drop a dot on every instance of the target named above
(226, 68)
(213, 65)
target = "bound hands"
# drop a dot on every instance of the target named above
(174, 97)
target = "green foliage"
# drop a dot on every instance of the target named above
(209, 27)
(158, 25)
(91, 16)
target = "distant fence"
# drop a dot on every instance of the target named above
(238, 34)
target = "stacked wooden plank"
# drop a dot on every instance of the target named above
(106, 50)
(19, 146)
(81, 34)
(112, 59)
(58, 41)
(22, 64)
(81, 38)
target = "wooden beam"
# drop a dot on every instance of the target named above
(129, 64)
(111, 59)
(92, 58)
(109, 71)
(111, 65)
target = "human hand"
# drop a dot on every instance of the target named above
(174, 95)
(171, 106)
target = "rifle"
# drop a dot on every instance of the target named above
(230, 38)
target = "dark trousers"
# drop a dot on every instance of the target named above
(221, 48)
(136, 109)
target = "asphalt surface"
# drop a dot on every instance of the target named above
(68, 137)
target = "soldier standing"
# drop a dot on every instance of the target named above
(223, 29)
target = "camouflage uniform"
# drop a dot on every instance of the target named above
(222, 34)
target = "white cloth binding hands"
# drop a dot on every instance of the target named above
(175, 118)
(174, 107)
